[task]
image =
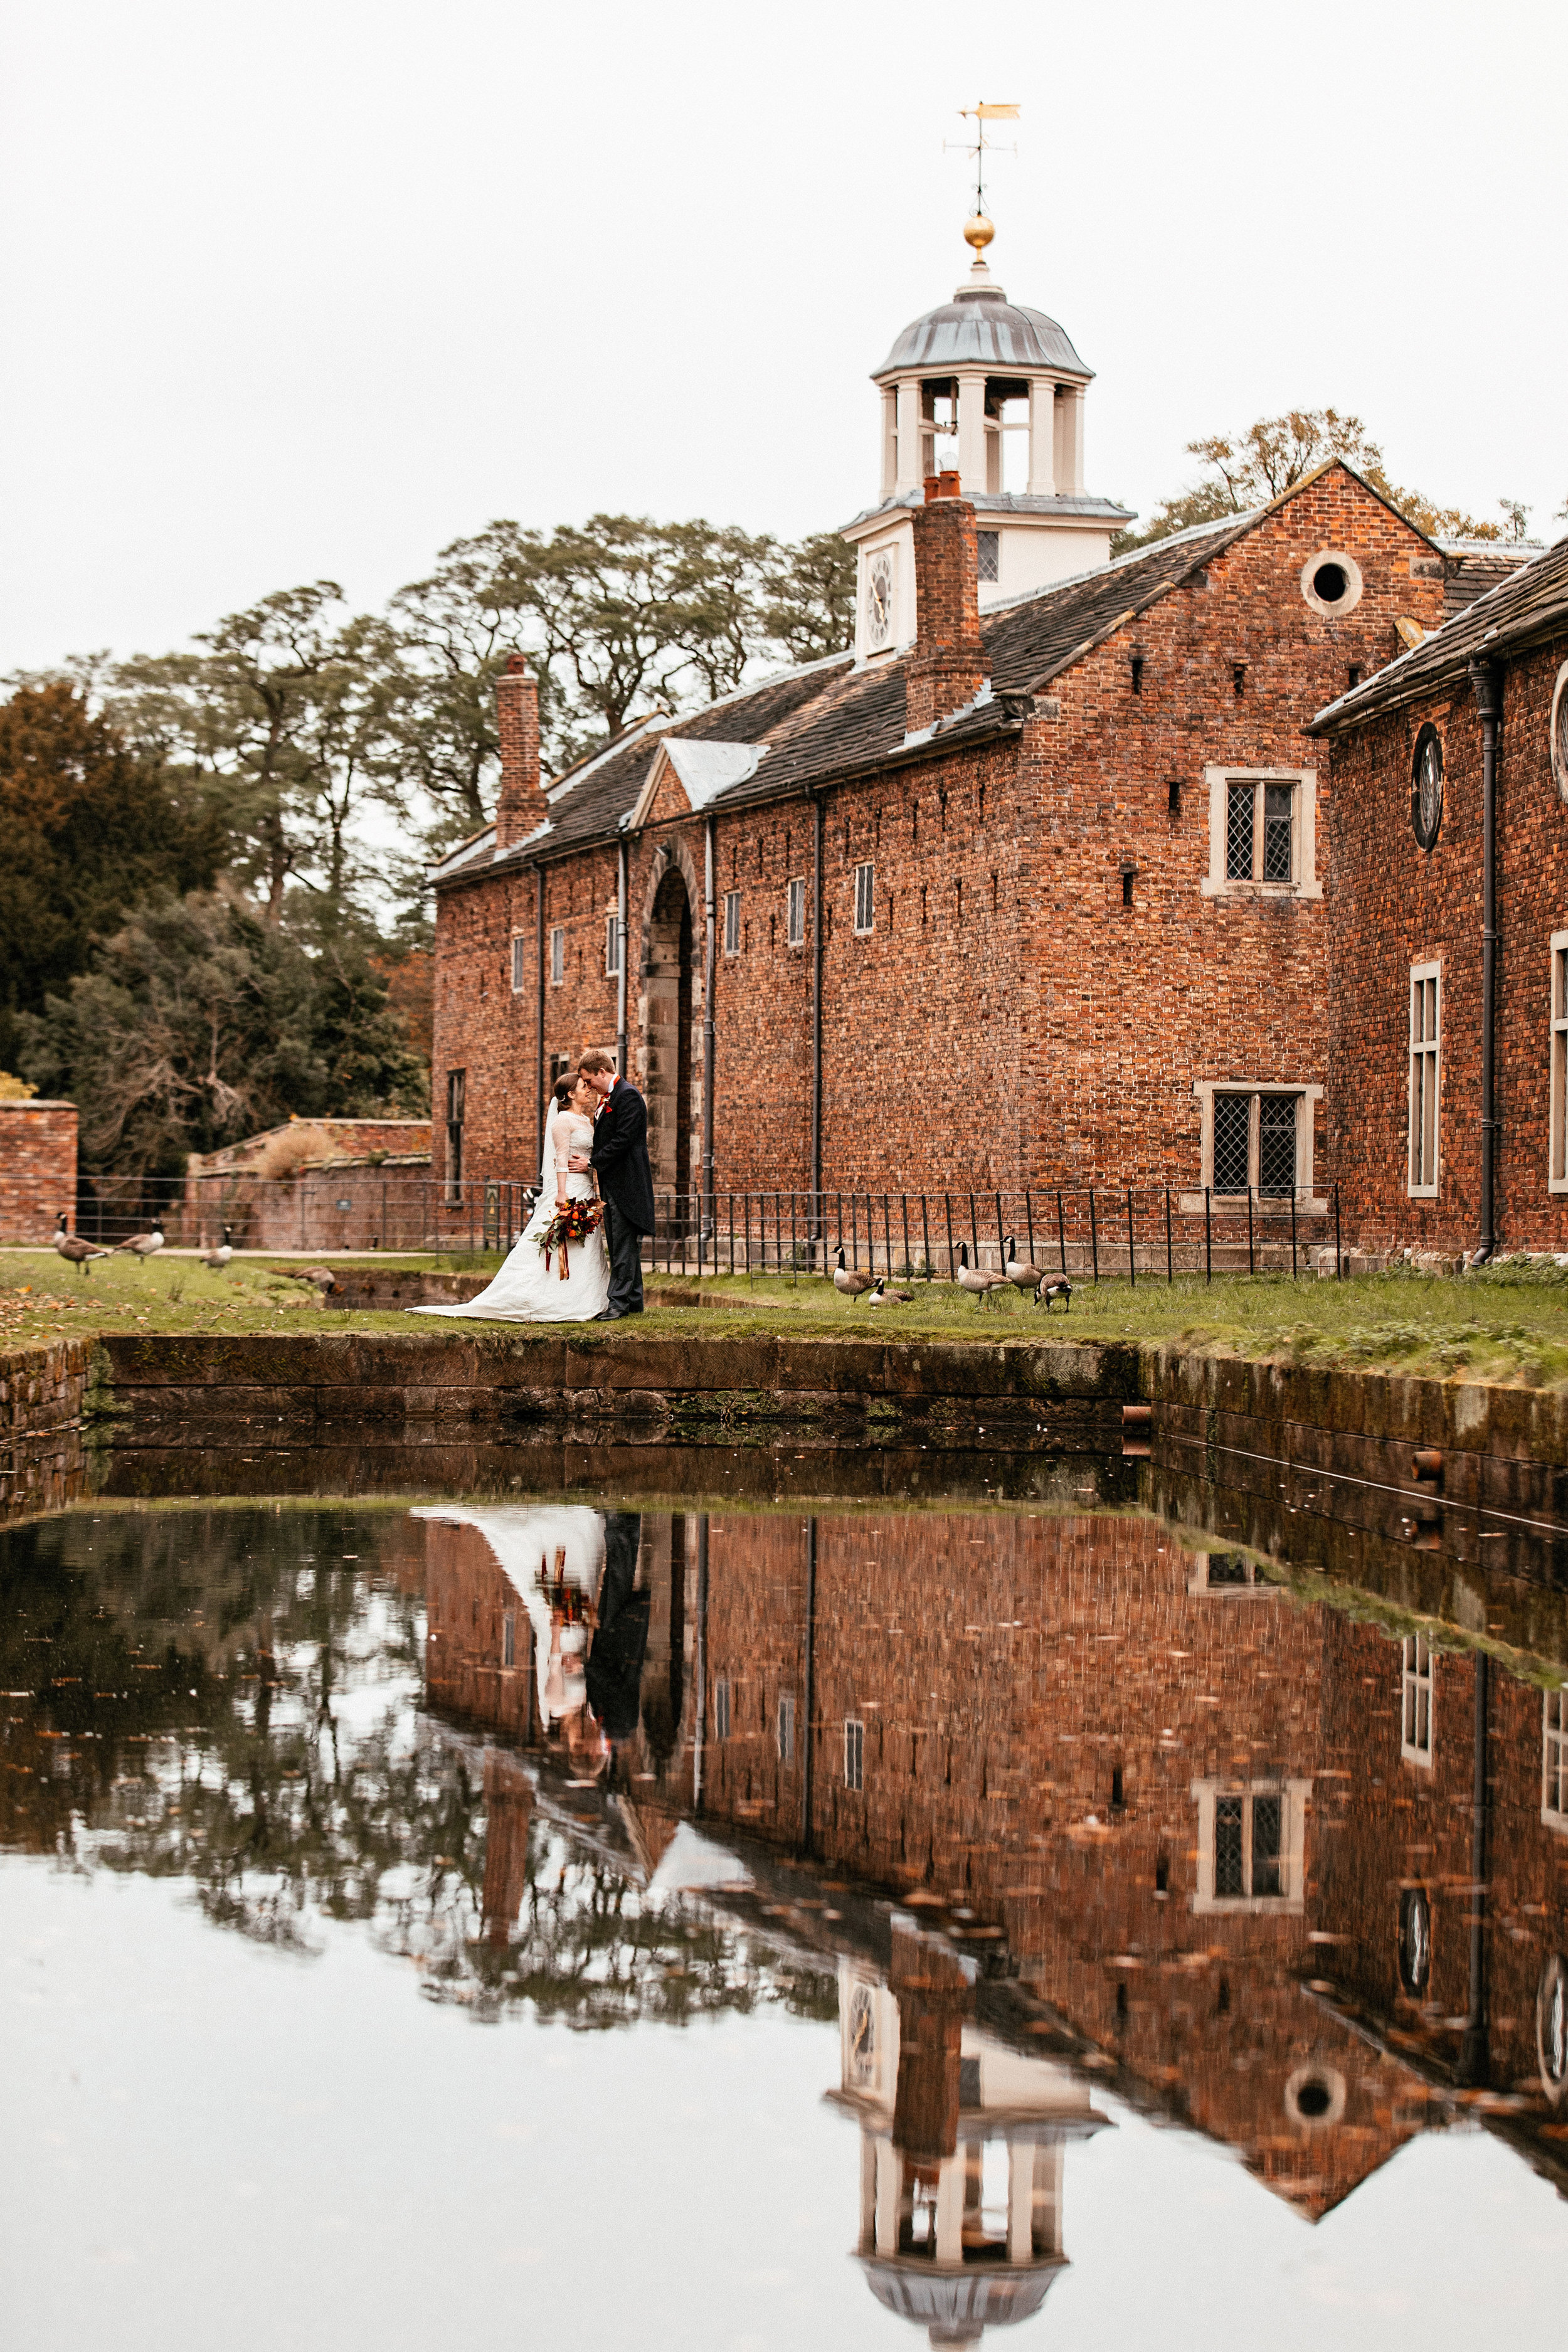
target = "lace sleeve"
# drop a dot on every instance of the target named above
(560, 1143)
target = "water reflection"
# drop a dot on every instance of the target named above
(1045, 1808)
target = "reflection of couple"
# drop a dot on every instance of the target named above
(579, 1575)
(596, 1127)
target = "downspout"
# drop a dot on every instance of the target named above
(1473, 2050)
(808, 1690)
(701, 1722)
(621, 957)
(538, 1013)
(705, 1222)
(815, 1219)
(1485, 685)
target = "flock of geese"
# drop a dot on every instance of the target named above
(1044, 1287)
(143, 1247)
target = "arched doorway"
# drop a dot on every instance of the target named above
(667, 977)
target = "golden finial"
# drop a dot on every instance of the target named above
(977, 229)
(978, 232)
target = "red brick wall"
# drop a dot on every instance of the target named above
(37, 1169)
(1395, 905)
(1008, 1016)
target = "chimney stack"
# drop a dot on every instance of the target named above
(521, 806)
(947, 668)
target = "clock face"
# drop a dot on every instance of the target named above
(880, 599)
(1426, 787)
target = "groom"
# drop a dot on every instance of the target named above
(626, 1179)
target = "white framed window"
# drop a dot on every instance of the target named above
(853, 1753)
(509, 1637)
(865, 897)
(518, 962)
(1554, 1759)
(1425, 1076)
(1263, 825)
(795, 912)
(1255, 1137)
(731, 922)
(722, 1710)
(1252, 1838)
(1558, 1168)
(1415, 1694)
(557, 954)
(612, 947)
(1227, 1574)
(787, 1727)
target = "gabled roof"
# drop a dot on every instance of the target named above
(1529, 605)
(831, 719)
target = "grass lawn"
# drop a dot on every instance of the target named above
(1509, 1323)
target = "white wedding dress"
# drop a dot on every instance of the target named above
(525, 1291)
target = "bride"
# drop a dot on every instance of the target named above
(526, 1290)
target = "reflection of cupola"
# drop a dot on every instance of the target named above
(960, 2146)
(994, 393)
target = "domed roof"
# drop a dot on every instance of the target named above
(956, 2306)
(981, 328)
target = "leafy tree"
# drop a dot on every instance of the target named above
(200, 1023)
(809, 589)
(88, 828)
(1245, 471)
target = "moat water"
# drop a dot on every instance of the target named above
(625, 1918)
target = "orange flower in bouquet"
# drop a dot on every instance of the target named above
(574, 1222)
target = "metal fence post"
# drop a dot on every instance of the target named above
(1093, 1236)
(1061, 1230)
(1132, 1255)
(1251, 1259)
(1294, 1269)
(947, 1204)
(1209, 1234)
(925, 1235)
(1170, 1265)
(1339, 1248)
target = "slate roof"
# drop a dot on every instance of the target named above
(1531, 604)
(1477, 564)
(830, 720)
(981, 328)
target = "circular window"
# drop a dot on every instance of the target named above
(1560, 732)
(1426, 787)
(1315, 2095)
(1414, 1940)
(1552, 2027)
(1332, 583)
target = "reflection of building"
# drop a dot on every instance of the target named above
(961, 2146)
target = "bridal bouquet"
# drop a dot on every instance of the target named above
(574, 1222)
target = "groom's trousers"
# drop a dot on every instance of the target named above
(624, 1243)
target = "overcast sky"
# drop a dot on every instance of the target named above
(312, 290)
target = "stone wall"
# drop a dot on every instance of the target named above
(1395, 905)
(37, 1170)
(42, 1393)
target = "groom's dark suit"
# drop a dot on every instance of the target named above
(626, 1181)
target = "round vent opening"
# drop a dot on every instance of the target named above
(1332, 583)
(1315, 2094)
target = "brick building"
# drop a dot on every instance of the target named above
(1407, 921)
(37, 1169)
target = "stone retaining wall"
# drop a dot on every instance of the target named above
(43, 1392)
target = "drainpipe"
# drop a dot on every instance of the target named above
(815, 1217)
(808, 1689)
(701, 1722)
(621, 957)
(539, 1014)
(1485, 685)
(1473, 2050)
(705, 1219)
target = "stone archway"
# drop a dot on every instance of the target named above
(668, 937)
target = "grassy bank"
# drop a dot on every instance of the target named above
(1509, 1323)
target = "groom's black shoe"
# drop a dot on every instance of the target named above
(608, 1315)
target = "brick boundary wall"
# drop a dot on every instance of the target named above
(37, 1170)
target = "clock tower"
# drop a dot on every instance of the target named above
(980, 387)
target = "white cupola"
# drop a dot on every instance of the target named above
(996, 393)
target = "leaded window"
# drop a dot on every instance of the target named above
(1250, 1846)
(612, 946)
(1415, 1699)
(854, 1754)
(865, 898)
(557, 954)
(787, 1727)
(796, 912)
(518, 962)
(731, 922)
(1239, 798)
(1276, 826)
(1259, 830)
(988, 547)
(1425, 1051)
(722, 1710)
(1277, 1144)
(1232, 1142)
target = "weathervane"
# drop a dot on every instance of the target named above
(978, 231)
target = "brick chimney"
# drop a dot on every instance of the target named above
(947, 667)
(522, 805)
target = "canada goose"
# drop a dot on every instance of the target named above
(882, 1297)
(321, 1278)
(71, 1245)
(145, 1245)
(1025, 1277)
(851, 1285)
(1052, 1287)
(220, 1256)
(979, 1283)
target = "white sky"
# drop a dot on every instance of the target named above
(313, 288)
